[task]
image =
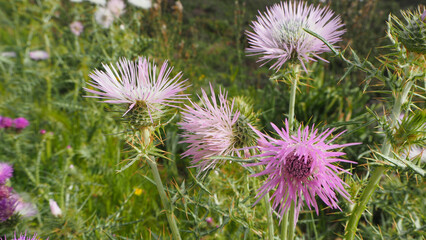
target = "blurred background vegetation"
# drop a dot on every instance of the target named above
(206, 41)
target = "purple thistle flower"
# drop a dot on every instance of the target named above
(6, 172)
(20, 123)
(138, 84)
(39, 55)
(23, 237)
(5, 122)
(299, 167)
(278, 33)
(212, 128)
(7, 203)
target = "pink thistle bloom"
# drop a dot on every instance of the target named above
(39, 55)
(42, 131)
(5, 122)
(278, 33)
(116, 7)
(6, 172)
(138, 83)
(211, 130)
(20, 123)
(299, 167)
(76, 28)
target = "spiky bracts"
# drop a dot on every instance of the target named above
(138, 84)
(411, 31)
(214, 128)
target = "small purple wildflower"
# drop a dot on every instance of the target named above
(299, 167)
(39, 55)
(5, 122)
(278, 33)
(138, 84)
(6, 172)
(42, 131)
(209, 220)
(76, 28)
(20, 123)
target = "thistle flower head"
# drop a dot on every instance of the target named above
(5, 122)
(298, 167)
(278, 33)
(411, 32)
(24, 209)
(214, 128)
(20, 123)
(6, 172)
(24, 237)
(7, 203)
(138, 84)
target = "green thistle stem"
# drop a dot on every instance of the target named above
(293, 97)
(352, 225)
(166, 204)
(291, 223)
(269, 217)
(289, 215)
(284, 224)
(164, 199)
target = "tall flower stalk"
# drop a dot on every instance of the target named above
(407, 38)
(279, 35)
(377, 174)
(148, 93)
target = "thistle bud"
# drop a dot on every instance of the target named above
(412, 32)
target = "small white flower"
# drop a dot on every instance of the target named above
(116, 7)
(104, 17)
(54, 208)
(8, 54)
(145, 4)
(39, 55)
